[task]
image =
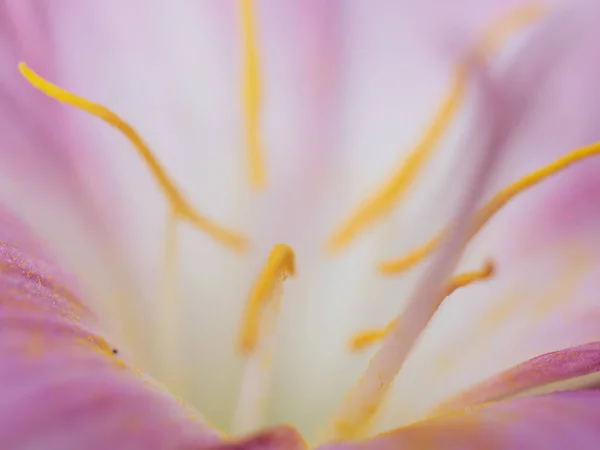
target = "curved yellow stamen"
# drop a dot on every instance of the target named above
(279, 266)
(493, 206)
(395, 189)
(258, 338)
(366, 338)
(467, 278)
(392, 192)
(178, 202)
(251, 89)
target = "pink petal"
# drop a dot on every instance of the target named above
(61, 386)
(548, 368)
(42, 153)
(565, 117)
(279, 438)
(567, 420)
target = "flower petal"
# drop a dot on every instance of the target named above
(278, 438)
(43, 155)
(30, 121)
(551, 422)
(566, 204)
(62, 386)
(542, 370)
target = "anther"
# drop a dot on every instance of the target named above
(258, 335)
(279, 266)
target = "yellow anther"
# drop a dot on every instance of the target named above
(391, 193)
(252, 94)
(484, 214)
(467, 278)
(366, 338)
(178, 202)
(279, 266)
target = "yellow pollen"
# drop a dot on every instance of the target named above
(251, 89)
(178, 202)
(496, 203)
(391, 193)
(366, 338)
(280, 265)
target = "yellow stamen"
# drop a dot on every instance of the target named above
(279, 266)
(366, 338)
(252, 94)
(395, 189)
(176, 199)
(258, 338)
(493, 206)
(467, 278)
(392, 192)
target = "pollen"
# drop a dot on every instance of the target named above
(280, 265)
(495, 204)
(251, 94)
(179, 204)
(381, 203)
(366, 338)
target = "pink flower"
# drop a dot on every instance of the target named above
(274, 134)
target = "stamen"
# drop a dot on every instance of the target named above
(279, 266)
(467, 278)
(366, 338)
(252, 94)
(381, 203)
(257, 337)
(493, 206)
(176, 199)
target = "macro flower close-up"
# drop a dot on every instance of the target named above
(279, 224)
